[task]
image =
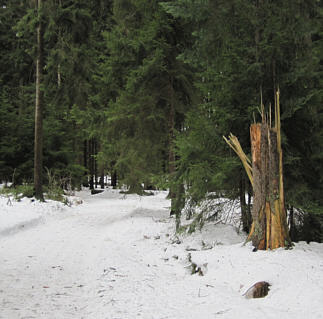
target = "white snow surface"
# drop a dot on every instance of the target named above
(116, 257)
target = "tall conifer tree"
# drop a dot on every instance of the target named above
(38, 150)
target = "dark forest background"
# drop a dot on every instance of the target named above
(143, 91)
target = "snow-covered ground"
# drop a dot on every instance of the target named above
(116, 257)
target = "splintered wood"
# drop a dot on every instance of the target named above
(269, 218)
(269, 228)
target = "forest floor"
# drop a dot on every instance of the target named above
(116, 257)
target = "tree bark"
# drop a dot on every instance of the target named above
(269, 228)
(38, 147)
(171, 151)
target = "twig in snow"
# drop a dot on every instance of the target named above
(9, 202)
(221, 312)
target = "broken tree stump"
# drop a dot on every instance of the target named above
(269, 229)
(265, 171)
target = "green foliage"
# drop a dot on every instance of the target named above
(54, 189)
(204, 161)
(141, 72)
(18, 192)
(141, 79)
(16, 121)
(160, 181)
(72, 38)
(264, 46)
(307, 227)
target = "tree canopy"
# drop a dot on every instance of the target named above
(145, 90)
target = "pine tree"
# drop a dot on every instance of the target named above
(16, 97)
(147, 86)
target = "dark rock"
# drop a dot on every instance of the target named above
(96, 191)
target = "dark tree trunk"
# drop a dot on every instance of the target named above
(86, 163)
(171, 151)
(85, 154)
(91, 163)
(114, 178)
(95, 152)
(38, 148)
(245, 212)
(102, 177)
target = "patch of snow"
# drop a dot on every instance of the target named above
(18, 215)
(116, 256)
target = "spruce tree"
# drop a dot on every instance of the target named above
(148, 86)
(16, 97)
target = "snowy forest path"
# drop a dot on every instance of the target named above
(117, 257)
(59, 268)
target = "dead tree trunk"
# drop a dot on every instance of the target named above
(269, 227)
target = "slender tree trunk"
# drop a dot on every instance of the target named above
(91, 163)
(245, 212)
(85, 163)
(171, 151)
(114, 178)
(85, 154)
(171, 127)
(38, 148)
(292, 231)
(102, 177)
(101, 171)
(178, 204)
(95, 152)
